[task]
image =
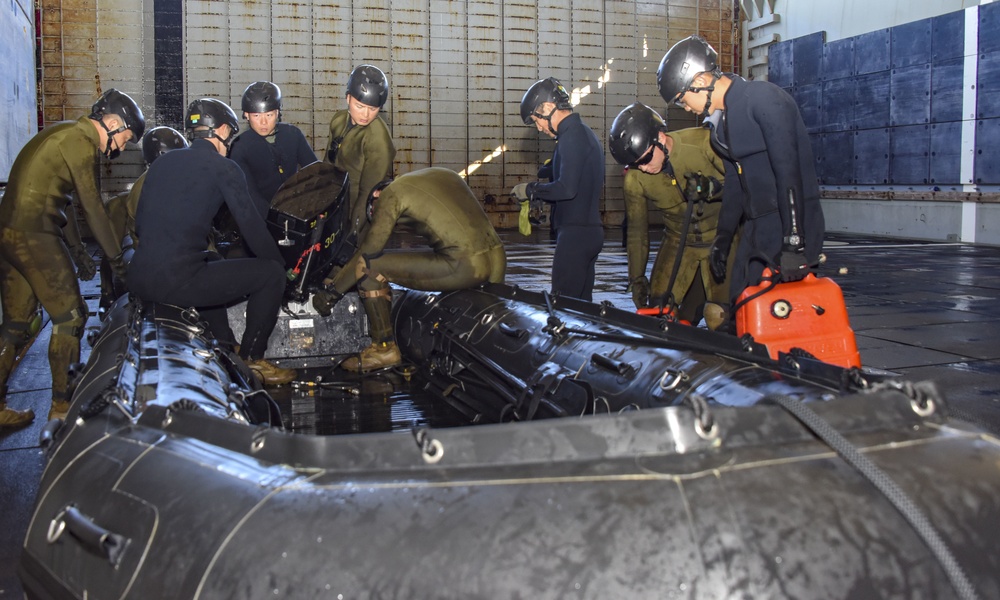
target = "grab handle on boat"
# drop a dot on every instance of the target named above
(513, 332)
(622, 368)
(91, 536)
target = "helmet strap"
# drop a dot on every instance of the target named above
(108, 152)
(708, 98)
(548, 118)
(210, 133)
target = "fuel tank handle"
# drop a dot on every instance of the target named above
(91, 536)
(622, 368)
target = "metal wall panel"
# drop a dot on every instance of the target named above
(947, 90)
(871, 156)
(835, 157)
(910, 44)
(838, 105)
(808, 53)
(871, 100)
(17, 97)
(987, 158)
(780, 64)
(871, 52)
(909, 151)
(948, 36)
(946, 157)
(910, 95)
(989, 25)
(988, 85)
(810, 101)
(837, 61)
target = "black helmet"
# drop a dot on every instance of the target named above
(368, 85)
(546, 90)
(634, 130)
(113, 102)
(160, 140)
(682, 63)
(261, 97)
(211, 113)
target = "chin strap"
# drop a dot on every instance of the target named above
(108, 152)
(548, 118)
(708, 99)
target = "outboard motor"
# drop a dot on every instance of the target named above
(309, 218)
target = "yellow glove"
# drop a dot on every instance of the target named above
(523, 224)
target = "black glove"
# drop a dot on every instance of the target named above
(640, 291)
(701, 187)
(86, 268)
(792, 265)
(718, 254)
(536, 212)
(324, 301)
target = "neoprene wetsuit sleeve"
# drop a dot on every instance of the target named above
(82, 170)
(252, 226)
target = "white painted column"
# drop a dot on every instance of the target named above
(969, 90)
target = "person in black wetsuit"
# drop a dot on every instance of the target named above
(577, 181)
(759, 133)
(183, 190)
(270, 151)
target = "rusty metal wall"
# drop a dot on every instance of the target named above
(457, 69)
(18, 119)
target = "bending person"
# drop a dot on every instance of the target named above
(464, 252)
(36, 258)
(759, 133)
(155, 142)
(679, 173)
(183, 190)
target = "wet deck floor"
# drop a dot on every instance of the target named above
(923, 310)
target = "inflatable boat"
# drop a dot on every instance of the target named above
(601, 454)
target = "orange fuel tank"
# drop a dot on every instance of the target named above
(809, 314)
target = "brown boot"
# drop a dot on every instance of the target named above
(59, 409)
(269, 373)
(376, 356)
(15, 418)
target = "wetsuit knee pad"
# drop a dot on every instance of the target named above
(364, 272)
(15, 333)
(70, 323)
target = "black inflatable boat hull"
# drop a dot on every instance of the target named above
(167, 482)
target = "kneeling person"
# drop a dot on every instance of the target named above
(465, 251)
(183, 190)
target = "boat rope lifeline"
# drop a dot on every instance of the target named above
(892, 492)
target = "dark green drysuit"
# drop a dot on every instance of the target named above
(691, 153)
(366, 153)
(436, 204)
(36, 264)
